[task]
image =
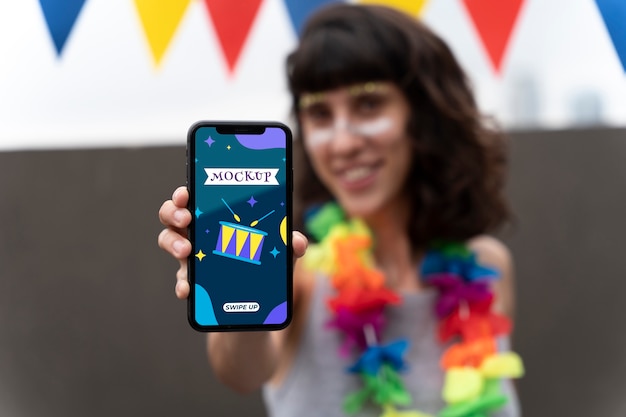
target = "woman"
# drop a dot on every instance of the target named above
(398, 180)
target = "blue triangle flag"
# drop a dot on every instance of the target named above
(60, 17)
(614, 14)
(299, 10)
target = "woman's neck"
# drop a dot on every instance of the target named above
(393, 251)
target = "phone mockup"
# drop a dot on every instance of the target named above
(239, 176)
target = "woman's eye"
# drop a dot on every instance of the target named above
(318, 114)
(369, 104)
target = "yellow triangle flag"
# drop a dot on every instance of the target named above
(411, 7)
(160, 19)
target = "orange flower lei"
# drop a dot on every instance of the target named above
(472, 363)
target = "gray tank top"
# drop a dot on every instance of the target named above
(317, 382)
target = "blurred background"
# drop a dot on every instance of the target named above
(96, 97)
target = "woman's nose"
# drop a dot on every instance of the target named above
(345, 137)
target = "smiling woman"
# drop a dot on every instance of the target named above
(398, 181)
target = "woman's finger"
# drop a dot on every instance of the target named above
(180, 197)
(182, 284)
(174, 243)
(170, 215)
(299, 244)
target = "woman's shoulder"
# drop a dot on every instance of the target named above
(491, 251)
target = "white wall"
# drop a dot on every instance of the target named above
(561, 68)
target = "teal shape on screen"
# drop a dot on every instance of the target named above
(205, 315)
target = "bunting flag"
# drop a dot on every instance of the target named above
(60, 17)
(494, 21)
(232, 21)
(160, 19)
(411, 7)
(300, 10)
(614, 15)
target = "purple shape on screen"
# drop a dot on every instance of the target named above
(273, 137)
(278, 315)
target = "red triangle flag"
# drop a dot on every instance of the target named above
(494, 20)
(232, 21)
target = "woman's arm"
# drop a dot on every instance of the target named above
(245, 360)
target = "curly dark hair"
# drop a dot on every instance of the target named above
(457, 177)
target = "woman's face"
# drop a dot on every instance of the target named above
(356, 138)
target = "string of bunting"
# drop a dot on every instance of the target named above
(493, 20)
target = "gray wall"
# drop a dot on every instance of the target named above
(569, 191)
(89, 324)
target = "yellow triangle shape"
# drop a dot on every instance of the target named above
(160, 19)
(411, 7)
(255, 241)
(227, 234)
(242, 235)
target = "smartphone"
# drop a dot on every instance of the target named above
(239, 176)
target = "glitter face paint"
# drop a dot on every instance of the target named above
(364, 101)
(368, 128)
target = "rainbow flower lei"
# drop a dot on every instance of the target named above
(472, 363)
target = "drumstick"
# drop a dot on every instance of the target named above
(254, 223)
(231, 210)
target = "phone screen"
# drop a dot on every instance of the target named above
(240, 268)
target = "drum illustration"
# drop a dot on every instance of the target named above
(240, 242)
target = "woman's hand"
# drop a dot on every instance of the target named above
(174, 215)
